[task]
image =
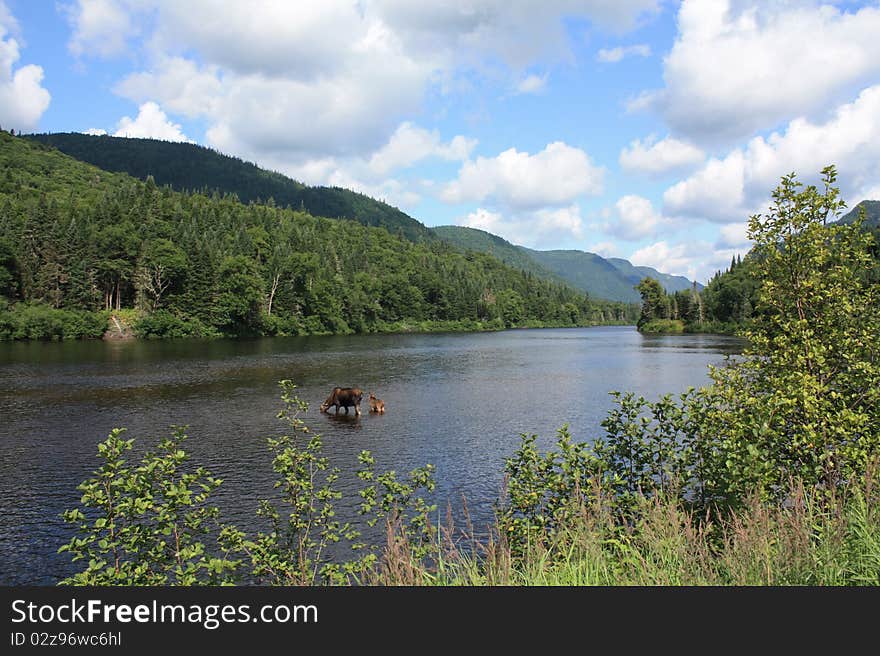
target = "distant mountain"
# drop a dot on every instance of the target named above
(872, 214)
(612, 279)
(485, 242)
(189, 167)
(588, 271)
(670, 283)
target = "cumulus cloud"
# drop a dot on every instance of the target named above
(657, 157)
(614, 55)
(7, 20)
(391, 190)
(95, 132)
(100, 27)
(349, 112)
(682, 259)
(553, 177)
(517, 31)
(634, 218)
(410, 144)
(559, 222)
(735, 70)
(150, 123)
(733, 187)
(733, 236)
(604, 248)
(483, 219)
(307, 81)
(369, 174)
(23, 99)
(538, 228)
(182, 86)
(531, 84)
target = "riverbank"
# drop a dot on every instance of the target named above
(662, 327)
(36, 322)
(678, 327)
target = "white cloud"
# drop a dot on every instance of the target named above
(681, 259)
(95, 132)
(410, 144)
(657, 157)
(604, 248)
(634, 218)
(517, 31)
(100, 27)
(150, 123)
(559, 221)
(538, 228)
(733, 187)
(614, 55)
(483, 219)
(181, 85)
(871, 193)
(314, 81)
(736, 69)
(531, 84)
(391, 191)
(733, 236)
(716, 192)
(555, 176)
(23, 99)
(7, 20)
(368, 174)
(349, 111)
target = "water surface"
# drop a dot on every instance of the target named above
(458, 401)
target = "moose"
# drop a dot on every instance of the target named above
(345, 397)
(376, 405)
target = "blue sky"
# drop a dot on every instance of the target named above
(643, 129)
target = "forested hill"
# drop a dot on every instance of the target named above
(613, 279)
(872, 214)
(77, 243)
(473, 239)
(588, 271)
(189, 167)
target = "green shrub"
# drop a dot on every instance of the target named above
(663, 326)
(42, 322)
(163, 324)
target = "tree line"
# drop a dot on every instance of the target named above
(731, 301)
(77, 244)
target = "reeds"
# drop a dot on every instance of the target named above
(811, 539)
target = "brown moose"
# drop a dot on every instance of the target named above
(346, 397)
(376, 405)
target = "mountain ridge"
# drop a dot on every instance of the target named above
(611, 279)
(872, 214)
(189, 167)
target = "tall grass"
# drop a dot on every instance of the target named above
(808, 540)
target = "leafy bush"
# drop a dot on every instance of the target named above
(663, 326)
(42, 322)
(145, 524)
(164, 324)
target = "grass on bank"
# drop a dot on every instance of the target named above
(805, 542)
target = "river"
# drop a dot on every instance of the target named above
(458, 401)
